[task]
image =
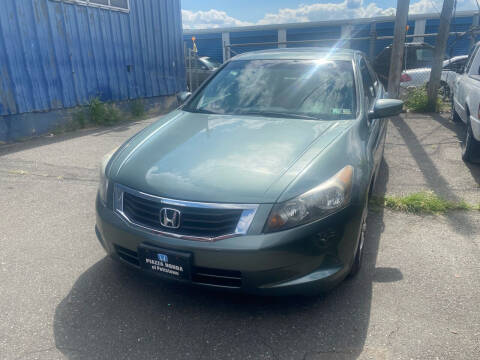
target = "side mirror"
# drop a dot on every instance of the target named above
(385, 108)
(183, 96)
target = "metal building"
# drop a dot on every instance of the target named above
(369, 35)
(57, 54)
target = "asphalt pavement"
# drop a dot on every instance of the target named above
(417, 296)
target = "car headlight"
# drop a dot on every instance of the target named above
(103, 186)
(317, 203)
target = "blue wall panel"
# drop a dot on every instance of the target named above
(361, 30)
(207, 45)
(246, 37)
(383, 29)
(457, 45)
(55, 54)
(314, 33)
(210, 43)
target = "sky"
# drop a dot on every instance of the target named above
(200, 14)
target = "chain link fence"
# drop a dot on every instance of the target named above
(418, 57)
(198, 68)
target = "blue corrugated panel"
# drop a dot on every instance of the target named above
(55, 54)
(209, 44)
(314, 33)
(387, 29)
(358, 31)
(383, 29)
(457, 45)
(245, 37)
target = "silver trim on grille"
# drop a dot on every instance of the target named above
(243, 224)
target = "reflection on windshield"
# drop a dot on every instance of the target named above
(281, 88)
(211, 63)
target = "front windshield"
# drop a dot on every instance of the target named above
(280, 88)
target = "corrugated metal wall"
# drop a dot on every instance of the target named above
(456, 45)
(54, 54)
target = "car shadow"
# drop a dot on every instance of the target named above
(115, 312)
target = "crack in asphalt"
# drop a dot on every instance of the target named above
(50, 176)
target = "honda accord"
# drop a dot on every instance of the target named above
(259, 182)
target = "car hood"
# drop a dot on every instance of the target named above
(221, 158)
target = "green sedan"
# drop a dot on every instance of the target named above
(259, 182)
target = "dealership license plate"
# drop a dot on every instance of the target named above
(169, 263)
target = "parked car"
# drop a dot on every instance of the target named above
(417, 55)
(259, 182)
(199, 69)
(421, 76)
(466, 105)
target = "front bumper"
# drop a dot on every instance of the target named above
(305, 260)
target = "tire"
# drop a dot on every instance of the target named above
(445, 91)
(455, 117)
(358, 259)
(470, 146)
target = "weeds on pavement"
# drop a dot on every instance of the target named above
(421, 202)
(417, 101)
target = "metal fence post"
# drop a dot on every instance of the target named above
(190, 69)
(226, 45)
(373, 40)
(419, 29)
(346, 33)
(474, 25)
(282, 38)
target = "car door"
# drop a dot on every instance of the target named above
(376, 127)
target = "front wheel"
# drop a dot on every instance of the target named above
(357, 261)
(470, 146)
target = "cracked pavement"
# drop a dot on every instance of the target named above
(416, 297)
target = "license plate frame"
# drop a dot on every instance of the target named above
(167, 263)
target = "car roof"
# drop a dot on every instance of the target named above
(456, 58)
(307, 53)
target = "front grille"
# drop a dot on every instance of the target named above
(194, 221)
(217, 277)
(127, 255)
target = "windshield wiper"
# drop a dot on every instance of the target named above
(277, 114)
(202, 111)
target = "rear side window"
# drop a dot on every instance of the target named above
(456, 66)
(418, 58)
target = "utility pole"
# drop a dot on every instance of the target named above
(398, 48)
(440, 46)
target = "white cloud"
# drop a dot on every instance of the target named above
(425, 6)
(435, 6)
(348, 9)
(209, 19)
